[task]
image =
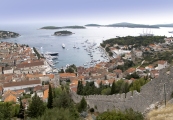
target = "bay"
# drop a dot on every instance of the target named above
(44, 40)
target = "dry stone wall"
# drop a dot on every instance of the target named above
(150, 93)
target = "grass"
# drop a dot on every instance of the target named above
(165, 113)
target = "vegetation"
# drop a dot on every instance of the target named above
(8, 110)
(137, 84)
(64, 32)
(117, 87)
(162, 113)
(135, 41)
(50, 98)
(82, 105)
(59, 114)
(119, 115)
(93, 25)
(71, 69)
(127, 64)
(36, 107)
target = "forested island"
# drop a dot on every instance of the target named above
(65, 27)
(130, 25)
(8, 34)
(93, 25)
(135, 41)
(63, 33)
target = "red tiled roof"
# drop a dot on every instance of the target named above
(21, 83)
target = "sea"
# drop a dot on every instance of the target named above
(45, 41)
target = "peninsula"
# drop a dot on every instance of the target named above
(65, 27)
(63, 33)
(8, 34)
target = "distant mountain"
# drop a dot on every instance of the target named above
(68, 27)
(131, 25)
(164, 25)
(94, 25)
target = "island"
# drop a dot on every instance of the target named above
(63, 33)
(65, 27)
(93, 25)
(8, 34)
(131, 25)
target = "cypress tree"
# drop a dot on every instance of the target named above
(82, 105)
(80, 88)
(50, 98)
(113, 88)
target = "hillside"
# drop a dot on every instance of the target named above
(162, 113)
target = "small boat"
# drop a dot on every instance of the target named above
(74, 46)
(52, 53)
(63, 45)
(85, 64)
(78, 48)
(170, 31)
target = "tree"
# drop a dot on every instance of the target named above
(22, 110)
(113, 90)
(36, 107)
(50, 98)
(80, 88)
(63, 100)
(82, 105)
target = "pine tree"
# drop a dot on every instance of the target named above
(113, 88)
(36, 107)
(50, 98)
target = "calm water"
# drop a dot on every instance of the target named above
(34, 37)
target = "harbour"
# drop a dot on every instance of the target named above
(77, 48)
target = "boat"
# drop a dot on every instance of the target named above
(74, 46)
(52, 53)
(170, 31)
(78, 48)
(63, 45)
(85, 64)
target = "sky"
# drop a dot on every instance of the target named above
(86, 11)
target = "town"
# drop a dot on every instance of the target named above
(24, 73)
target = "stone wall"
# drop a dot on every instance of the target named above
(150, 93)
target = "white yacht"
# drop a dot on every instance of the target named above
(63, 45)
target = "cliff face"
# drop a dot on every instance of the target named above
(8, 34)
(150, 93)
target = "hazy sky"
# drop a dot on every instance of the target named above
(86, 11)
